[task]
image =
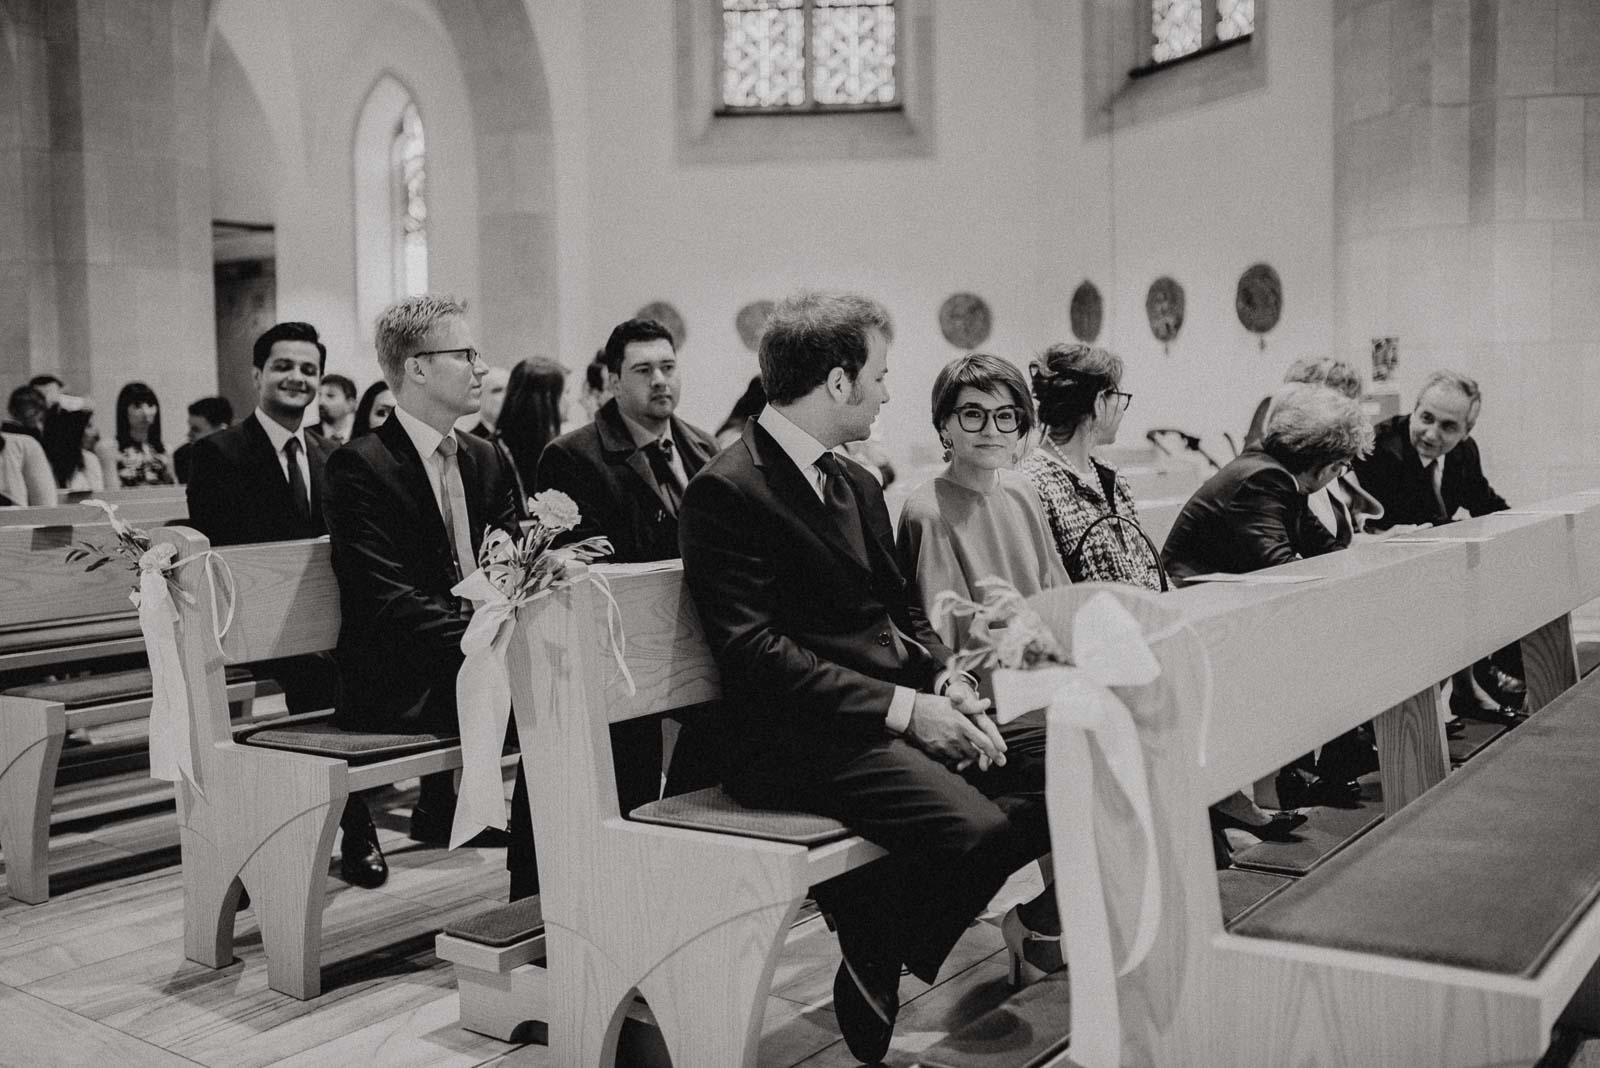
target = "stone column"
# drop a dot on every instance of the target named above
(1467, 215)
(115, 156)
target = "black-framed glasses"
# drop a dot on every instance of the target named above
(973, 419)
(470, 356)
(1127, 398)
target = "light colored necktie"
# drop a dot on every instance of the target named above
(1435, 479)
(454, 499)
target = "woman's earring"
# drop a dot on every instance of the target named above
(946, 443)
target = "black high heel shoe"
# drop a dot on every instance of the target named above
(1296, 791)
(1467, 707)
(1280, 828)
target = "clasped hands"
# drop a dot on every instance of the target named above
(956, 728)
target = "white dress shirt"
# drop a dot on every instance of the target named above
(643, 436)
(279, 438)
(805, 450)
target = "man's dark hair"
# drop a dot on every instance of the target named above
(26, 405)
(287, 332)
(809, 334)
(40, 381)
(626, 333)
(343, 384)
(595, 374)
(214, 410)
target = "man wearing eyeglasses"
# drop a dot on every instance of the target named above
(406, 507)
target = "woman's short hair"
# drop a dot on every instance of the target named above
(983, 372)
(403, 325)
(1326, 371)
(1313, 426)
(809, 334)
(1068, 379)
(131, 394)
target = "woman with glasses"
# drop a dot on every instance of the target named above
(1088, 505)
(978, 519)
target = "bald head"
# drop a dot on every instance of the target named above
(494, 395)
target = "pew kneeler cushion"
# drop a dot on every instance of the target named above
(712, 809)
(322, 738)
(1464, 875)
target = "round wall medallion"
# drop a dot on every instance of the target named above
(750, 321)
(1164, 306)
(667, 316)
(965, 320)
(1087, 311)
(1259, 299)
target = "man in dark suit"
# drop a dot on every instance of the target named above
(626, 471)
(206, 416)
(844, 704)
(406, 507)
(1424, 469)
(1425, 466)
(262, 481)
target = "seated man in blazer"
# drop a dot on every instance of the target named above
(626, 470)
(845, 705)
(1424, 469)
(407, 506)
(261, 480)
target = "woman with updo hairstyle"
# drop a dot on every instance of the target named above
(980, 519)
(1088, 505)
(1096, 526)
(531, 418)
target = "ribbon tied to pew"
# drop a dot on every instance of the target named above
(171, 724)
(1108, 649)
(483, 689)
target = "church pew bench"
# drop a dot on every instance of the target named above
(53, 615)
(148, 510)
(265, 804)
(1287, 667)
(689, 900)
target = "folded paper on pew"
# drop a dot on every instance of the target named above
(1109, 650)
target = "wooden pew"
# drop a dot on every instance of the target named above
(263, 812)
(147, 511)
(690, 909)
(55, 615)
(1286, 668)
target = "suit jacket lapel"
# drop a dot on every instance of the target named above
(793, 487)
(618, 446)
(693, 454)
(317, 450)
(413, 479)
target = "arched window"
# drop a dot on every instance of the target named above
(408, 203)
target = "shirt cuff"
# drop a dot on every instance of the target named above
(899, 717)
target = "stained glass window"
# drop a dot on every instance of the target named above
(808, 55)
(408, 169)
(1176, 26)
(1235, 18)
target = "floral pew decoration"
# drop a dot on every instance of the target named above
(155, 568)
(514, 572)
(1031, 670)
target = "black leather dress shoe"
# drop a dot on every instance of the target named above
(1467, 707)
(865, 1004)
(1454, 727)
(361, 862)
(1297, 791)
(431, 826)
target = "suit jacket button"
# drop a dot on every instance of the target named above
(883, 639)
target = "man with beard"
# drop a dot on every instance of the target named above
(627, 471)
(261, 480)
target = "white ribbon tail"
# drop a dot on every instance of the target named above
(619, 637)
(1119, 743)
(483, 705)
(171, 739)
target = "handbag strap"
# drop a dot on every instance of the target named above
(1075, 558)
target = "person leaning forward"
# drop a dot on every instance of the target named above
(846, 708)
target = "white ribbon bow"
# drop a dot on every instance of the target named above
(483, 693)
(1110, 650)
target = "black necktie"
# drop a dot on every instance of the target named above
(841, 501)
(297, 481)
(659, 453)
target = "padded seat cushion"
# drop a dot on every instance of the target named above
(104, 689)
(712, 809)
(504, 925)
(1488, 870)
(28, 639)
(321, 738)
